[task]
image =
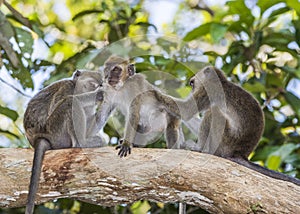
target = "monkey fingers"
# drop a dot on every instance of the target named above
(124, 148)
(99, 95)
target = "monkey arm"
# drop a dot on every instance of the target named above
(90, 97)
(103, 111)
(183, 109)
(131, 126)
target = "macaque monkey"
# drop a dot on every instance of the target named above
(147, 118)
(232, 121)
(65, 114)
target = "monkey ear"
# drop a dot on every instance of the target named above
(207, 70)
(131, 69)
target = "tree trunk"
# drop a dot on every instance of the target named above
(100, 177)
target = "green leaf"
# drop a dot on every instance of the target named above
(197, 32)
(256, 87)
(9, 113)
(297, 28)
(294, 4)
(140, 207)
(6, 132)
(272, 80)
(238, 7)
(146, 24)
(25, 41)
(273, 162)
(278, 39)
(217, 31)
(238, 27)
(264, 5)
(23, 74)
(86, 12)
(279, 12)
(264, 153)
(293, 101)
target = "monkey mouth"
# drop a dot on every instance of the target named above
(113, 82)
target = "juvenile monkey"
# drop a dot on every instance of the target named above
(146, 119)
(63, 115)
(232, 122)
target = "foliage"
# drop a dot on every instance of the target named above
(256, 44)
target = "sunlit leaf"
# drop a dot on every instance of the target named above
(197, 32)
(9, 113)
(140, 207)
(294, 4)
(263, 154)
(264, 5)
(6, 132)
(273, 162)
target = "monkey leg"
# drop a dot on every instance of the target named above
(67, 123)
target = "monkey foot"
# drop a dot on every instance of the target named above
(124, 148)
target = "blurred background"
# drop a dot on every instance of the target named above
(255, 42)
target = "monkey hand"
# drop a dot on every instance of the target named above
(124, 148)
(99, 95)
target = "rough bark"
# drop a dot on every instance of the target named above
(98, 176)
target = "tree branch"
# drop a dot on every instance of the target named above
(98, 176)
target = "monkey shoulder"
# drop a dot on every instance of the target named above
(243, 105)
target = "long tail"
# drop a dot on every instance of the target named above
(265, 171)
(41, 146)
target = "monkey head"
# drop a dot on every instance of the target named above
(87, 81)
(206, 75)
(117, 70)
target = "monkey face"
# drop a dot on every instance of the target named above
(115, 75)
(117, 70)
(119, 74)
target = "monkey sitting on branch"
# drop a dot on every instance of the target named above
(232, 119)
(63, 115)
(145, 120)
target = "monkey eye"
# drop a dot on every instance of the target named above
(117, 69)
(77, 73)
(192, 83)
